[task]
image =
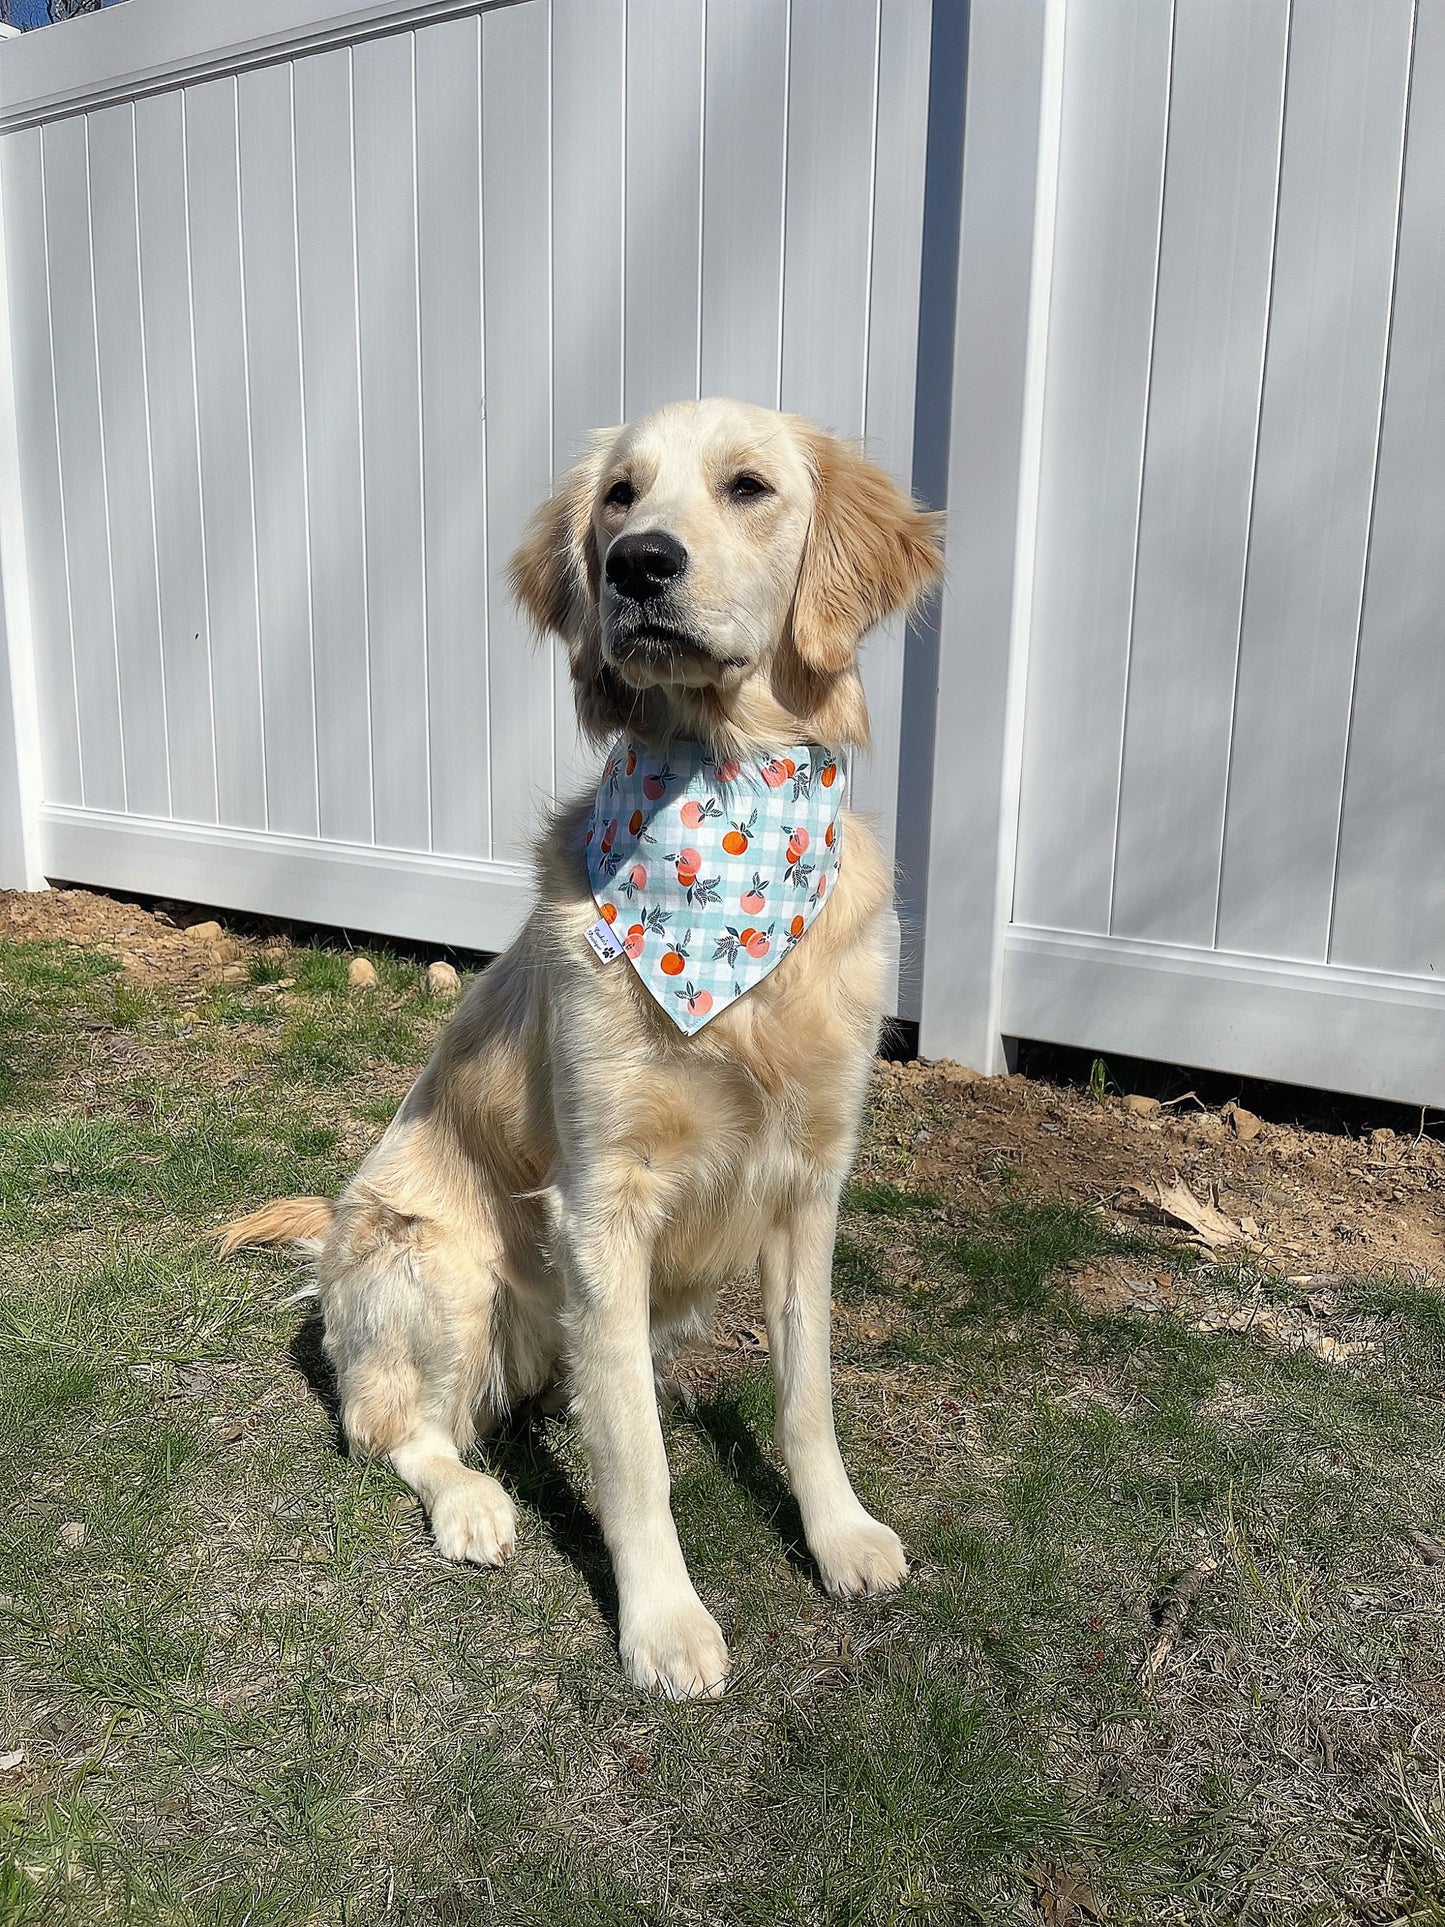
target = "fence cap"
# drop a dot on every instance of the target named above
(119, 53)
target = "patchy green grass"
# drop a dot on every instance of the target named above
(244, 1690)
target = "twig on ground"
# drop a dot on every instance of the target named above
(1179, 1596)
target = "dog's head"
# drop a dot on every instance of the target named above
(712, 570)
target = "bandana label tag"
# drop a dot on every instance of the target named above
(604, 941)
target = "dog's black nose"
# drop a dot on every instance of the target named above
(641, 566)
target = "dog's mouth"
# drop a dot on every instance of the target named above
(652, 650)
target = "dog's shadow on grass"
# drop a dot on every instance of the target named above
(308, 1355)
(731, 1437)
(522, 1458)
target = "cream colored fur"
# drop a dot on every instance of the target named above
(571, 1178)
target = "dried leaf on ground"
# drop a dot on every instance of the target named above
(742, 1335)
(1206, 1221)
(1280, 1325)
(1064, 1896)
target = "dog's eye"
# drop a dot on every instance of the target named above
(744, 488)
(621, 495)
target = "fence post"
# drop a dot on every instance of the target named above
(20, 867)
(994, 410)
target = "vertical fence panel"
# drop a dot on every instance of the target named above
(1339, 198)
(516, 264)
(1389, 910)
(1111, 167)
(82, 463)
(115, 241)
(589, 100)
(212, 189)
(21, 785)
(331, 391)
(39, 481)
(449, 212)
(991, 446)
(391, 439)
(829, 210)
(278, 445)
(897, 217)
(828, 236)
(170, 372)
(1225, 118)
(664, 194)
(21, 775)
(744, 123)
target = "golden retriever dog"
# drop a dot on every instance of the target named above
(572, 1176)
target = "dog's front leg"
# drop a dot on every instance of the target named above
(854, 1551)
(670, 1643)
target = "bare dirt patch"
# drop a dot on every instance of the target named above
(171, 945)
(1310, 1202)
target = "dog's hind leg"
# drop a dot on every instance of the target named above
(410, 1329)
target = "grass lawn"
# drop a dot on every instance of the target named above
(237, 1686)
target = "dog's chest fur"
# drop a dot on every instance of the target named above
(560, 1071)
(713, 1133)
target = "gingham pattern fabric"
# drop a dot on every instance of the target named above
(706, 873)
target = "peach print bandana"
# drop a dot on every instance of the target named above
(708, 871)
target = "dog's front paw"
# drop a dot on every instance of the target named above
(472, 1519)
(860, 1556)
(676, 1649)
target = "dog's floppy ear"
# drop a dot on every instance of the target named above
(555, 575)
(870, 550)
(554, 572)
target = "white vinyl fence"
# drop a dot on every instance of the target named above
(304, 303)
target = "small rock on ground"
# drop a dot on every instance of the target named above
(361, 974)
(1142, 1106)
(442, 980)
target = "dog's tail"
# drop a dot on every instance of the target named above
(303, 1222)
